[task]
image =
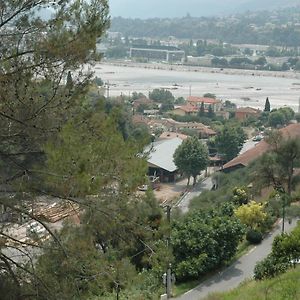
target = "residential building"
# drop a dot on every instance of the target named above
(186, 110)
(160, 159)
(243, 160)
(215, 104)
(243, 113)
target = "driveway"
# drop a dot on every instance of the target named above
(184, 202)
(239, 271)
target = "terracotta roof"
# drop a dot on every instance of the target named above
(188, 108)
(208, 131)
(291, 131)
(170, 135)
(203, 99)
(248, 110)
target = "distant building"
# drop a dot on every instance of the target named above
(243, 160)
(167, 135)
(215, 104)
(186, 110)
(151, 52)
(243, 113)
(160, 159)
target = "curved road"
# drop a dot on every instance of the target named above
(239, 271)
(184, 203)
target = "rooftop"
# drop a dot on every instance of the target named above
(248, 110)
(161, 153)
(290, 131)
(203, 99)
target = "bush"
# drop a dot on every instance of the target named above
(269, 268)
(254, 236)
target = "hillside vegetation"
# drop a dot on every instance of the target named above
(284, 287)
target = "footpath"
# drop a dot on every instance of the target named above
(240, 270)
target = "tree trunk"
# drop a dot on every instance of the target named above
(195, 179)
(188, 182)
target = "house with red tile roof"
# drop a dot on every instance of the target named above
(197, 101)
(243, 160)
(243, 113)
(186, 110)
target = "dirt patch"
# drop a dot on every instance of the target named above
(169, 192)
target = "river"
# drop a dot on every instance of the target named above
(241, 87)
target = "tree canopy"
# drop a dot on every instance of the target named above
(191, 157)
(230, 140)
(203, 241)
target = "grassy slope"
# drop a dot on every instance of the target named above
(284, 287)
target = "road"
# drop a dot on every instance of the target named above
(184, 203)
(239, 271)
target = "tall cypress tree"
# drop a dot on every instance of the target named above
(201, 110)
(267, 105)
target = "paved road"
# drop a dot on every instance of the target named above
(235, 274)
(206, 184)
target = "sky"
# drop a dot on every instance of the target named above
(180, 8)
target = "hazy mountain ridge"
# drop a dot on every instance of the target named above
(197, 8)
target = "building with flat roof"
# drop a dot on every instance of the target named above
(152, 52)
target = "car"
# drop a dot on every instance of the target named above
(257, 138)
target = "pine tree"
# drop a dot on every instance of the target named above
(36, 54)
(210, 113)
(267, 105)
(201, 112)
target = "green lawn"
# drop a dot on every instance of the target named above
(284, 287)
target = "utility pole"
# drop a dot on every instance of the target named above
(107, 84)
(169, 272)
(283, 213)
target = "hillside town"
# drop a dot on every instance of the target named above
(130, 171)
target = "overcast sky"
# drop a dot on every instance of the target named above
(179, 8)
(165, 8)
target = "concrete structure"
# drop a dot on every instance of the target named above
(151, 52)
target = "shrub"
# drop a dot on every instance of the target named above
(269, 268)
(254, 236)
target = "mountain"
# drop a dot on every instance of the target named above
(196, 8)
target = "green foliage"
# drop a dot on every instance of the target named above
(269, 268)
(209, 95)
(285, 286)
(204, 241)
(285, 249)
(135, 96)
(276, 168)
(267, 105)
(254, 236)
(240, 196)
(191, 157)
(162, 96)
(229, 141)
(76, 153)
(281, 116)
(251, 214)
(226, 183)
(179, 101)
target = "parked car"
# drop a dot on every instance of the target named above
(257, 138)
